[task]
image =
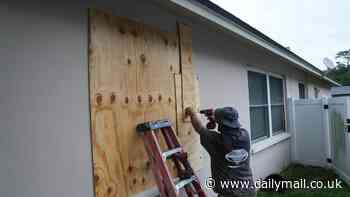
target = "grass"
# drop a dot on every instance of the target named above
(297, 172)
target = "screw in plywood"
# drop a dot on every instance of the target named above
(143, 58)
(96, 179)
(189, 59)
(139, 99)
(148, 164)
(99, 99)
(130, 169)
(150, 98)
(109, 190)
(112, 98)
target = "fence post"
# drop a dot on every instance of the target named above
(291, 128)
(326, 126)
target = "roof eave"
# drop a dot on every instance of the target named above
(199, 8)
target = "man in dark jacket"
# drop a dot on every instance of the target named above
(229, 151)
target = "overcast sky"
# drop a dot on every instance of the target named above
(313, 29)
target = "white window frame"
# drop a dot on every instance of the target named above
(273, 138)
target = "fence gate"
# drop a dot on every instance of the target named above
(321, 133)
(339, 113)
(308, 129)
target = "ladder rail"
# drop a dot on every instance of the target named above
(172, 142)
(167, 187)
(157, 158)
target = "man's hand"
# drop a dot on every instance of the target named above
(195, 120)
(189, 111)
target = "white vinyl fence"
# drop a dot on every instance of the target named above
(321, 133)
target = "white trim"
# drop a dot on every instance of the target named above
(286, 121)
(262, 71)
(262, 105)
(266, 143)
(276, 75)
(277, 105)
(223, 22)
(269, 108)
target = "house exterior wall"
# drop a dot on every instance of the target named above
(324, 89)
(44, 107)
(45, 137)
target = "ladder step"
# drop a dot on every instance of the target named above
(153, 125)
(182, 183)
(171, 152)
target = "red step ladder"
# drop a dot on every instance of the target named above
(169, 187)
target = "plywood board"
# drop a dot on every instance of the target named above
(190, 97)
(132, 68)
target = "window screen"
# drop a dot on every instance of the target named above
(277, 104)
(259, 119)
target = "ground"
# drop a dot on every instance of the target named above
(296, 172)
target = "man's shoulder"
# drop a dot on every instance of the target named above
(209, 133)
(244, 134)
(244, 131)
(209, 136)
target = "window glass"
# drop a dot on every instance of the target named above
(276, 90)
(259, 122)
(277, 115)
(302, 94)
(257, 88)
(277, 104)
(262, 109)
(259, 114)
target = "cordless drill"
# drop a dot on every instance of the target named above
(209, 113)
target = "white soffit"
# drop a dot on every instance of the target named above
(231, 26)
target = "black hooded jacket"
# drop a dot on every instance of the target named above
(229, 152)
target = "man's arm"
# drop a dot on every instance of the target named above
(195, 120)
(207, 138)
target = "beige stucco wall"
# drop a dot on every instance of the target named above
(222, 71)
(324, 89)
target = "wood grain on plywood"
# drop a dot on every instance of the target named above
(131, 71)
(109, 179)
(190, 97)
